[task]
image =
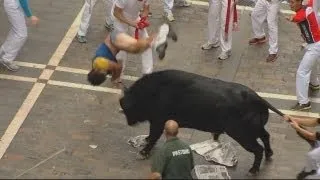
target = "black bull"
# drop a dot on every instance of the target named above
(201, 103)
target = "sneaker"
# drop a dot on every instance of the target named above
(169, 17)
(224, 55)
(183, 3)
(271, 58)
(257, 40)
(81, 39)
(303, 174)
(10, 65)
(314, 87)
(304, 45)
(160, 42)
(172, 34)
(301, 107)
(209, 45)
(109, 27)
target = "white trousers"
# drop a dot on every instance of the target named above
(216, 23)
(87, 12)
(146, 56)
(18, 32)
(313, 160)
(307, 72)
(168, 5)
(266, 10)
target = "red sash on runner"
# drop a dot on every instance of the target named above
(143, 23)
(235, 17)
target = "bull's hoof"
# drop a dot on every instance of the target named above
(173, 36)
(144, 154)
(147, 139)
(269, 155)
(161, 49)
(253, 172)
(141, 156)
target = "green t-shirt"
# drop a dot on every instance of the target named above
(174, 160)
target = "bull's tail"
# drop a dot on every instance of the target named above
(271, 107)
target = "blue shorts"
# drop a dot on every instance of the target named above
(104, 51)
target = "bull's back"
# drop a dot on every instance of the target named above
(200, 102)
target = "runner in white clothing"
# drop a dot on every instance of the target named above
(266, 9)
(222, 19)
(86, 17)
(126, 13)
(168, 5)
(16, 11)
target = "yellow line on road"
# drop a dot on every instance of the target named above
(67, 40)
(19, 118)
(17, 78)
(298, 113)
(284, 97)
(84, 86)
(31, 65)
(118, 91)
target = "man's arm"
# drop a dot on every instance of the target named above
(25, 6)
(308, 135)
(118, 13)
(158, 164)
(146, 10)
(300, 16)
(26, 9)
(304, 122)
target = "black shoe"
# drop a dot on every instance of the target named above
(160, 42)
(303, 174)
(314, 87)
(301, 107)
(81, 39)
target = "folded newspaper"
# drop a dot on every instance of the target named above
(224, 154)
(138, 141)
(211, 172)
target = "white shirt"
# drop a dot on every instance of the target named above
(131, 8)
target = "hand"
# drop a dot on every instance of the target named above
(294, 124)
(289, 18)
(143, 23)
(287, 118)
(143, 18)
(134, 23)
(34, 20)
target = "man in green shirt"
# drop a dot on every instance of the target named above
(174, 160)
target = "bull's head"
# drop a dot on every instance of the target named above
(128, 104)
